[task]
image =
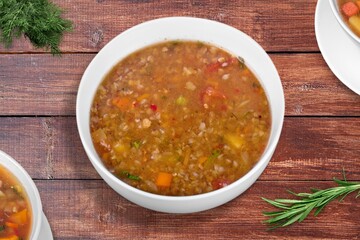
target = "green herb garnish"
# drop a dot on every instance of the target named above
(2, 228)
(130, 176)
(211, 159)
(38, 20)
(296, 210)
(17, 190)
(136, 144)
(181, 101)
(215, 153)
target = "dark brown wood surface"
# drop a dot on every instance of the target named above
(320, 137)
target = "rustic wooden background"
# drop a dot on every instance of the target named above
(321, 133)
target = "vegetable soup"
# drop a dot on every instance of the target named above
(15, 211)
(350, 10)
(180, 118)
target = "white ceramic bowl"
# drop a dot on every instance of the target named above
(180, 28)
(336, 11)
(30, 188)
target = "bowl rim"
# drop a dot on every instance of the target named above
(22, 176)
(336, 11)
(265, 158)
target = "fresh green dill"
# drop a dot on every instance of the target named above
(296, 210)
(38, 20)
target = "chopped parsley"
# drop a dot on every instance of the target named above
(129, 176)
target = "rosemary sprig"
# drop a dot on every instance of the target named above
(296, 210)
(38, 20)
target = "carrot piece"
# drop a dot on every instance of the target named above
(350, 9)
(123, 103)
(19, 217)
(163, 179)
(11, 225)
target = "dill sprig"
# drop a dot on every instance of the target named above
(38, 20)
(296, 210)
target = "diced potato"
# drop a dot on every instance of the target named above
(120, 148)
(234, 141)
(354, 22)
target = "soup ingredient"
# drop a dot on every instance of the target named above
(180, 118)
(354, 22)
(350, 10)
(163, 179)
(15, 215)
(296, 210)
(38, 20)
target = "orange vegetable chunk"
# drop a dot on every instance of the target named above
(350, 9)
(123, 103)
(19, 217)
(11, 225)
(163, 179)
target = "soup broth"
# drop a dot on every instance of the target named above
(15, 211)
(180, 118)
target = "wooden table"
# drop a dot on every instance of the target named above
(321, 133)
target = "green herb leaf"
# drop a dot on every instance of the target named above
(181, 101)
(38, 20)
(215, 153)
(136, 144)
(130, 176)
(2, 228)
(296, 210)
(211, 159)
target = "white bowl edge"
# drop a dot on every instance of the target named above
(106, 59)
(336, 11)
(29, 186)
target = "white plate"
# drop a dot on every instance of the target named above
(341, 53)
(45, 231)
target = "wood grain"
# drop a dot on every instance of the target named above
(320, 137)
(37, 84)
(77, 207)
(279, 26)
(309, 148)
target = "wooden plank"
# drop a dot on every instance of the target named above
(311, 88)
(309, 148)
(277, 26)
(46, 147)
(39, 84)
(74, 207)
